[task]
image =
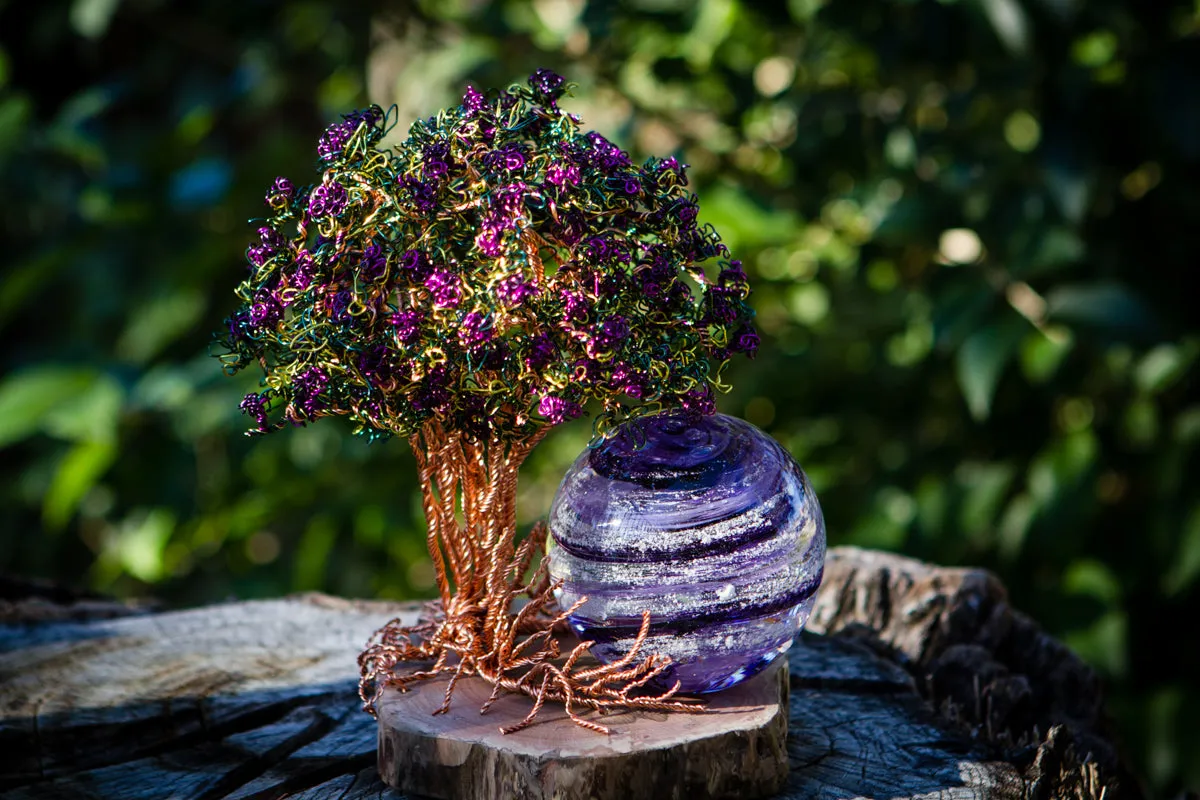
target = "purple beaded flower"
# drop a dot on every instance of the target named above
(745, 340)
(266, 310)
(498, 271)
(509, 158)
(307, 389)
(407, 325)
(255, 405)
(280, 194)
(563, 175)
(373, 264)
(473, 100)
(547, 85)
(328, 200)
(539, 351)
(629, 381)
(333, 143)
(304, 270)
(556, 410)
(422, 194)
(474, 331)
(334, 140)
(269, 244)
(514, 290)
(613, 331)
(445, 288)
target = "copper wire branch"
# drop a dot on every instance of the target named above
(481, 573)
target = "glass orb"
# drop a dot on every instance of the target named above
(704, 521)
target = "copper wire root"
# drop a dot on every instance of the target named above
(472, 629)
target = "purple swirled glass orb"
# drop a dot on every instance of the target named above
(704, 521)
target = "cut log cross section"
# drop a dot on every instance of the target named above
(258, 700)
(736, 748)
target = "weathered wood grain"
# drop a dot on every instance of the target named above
(736, 749)
(257, 700)
(245, 699)
(974, 656)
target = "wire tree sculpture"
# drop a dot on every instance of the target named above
(469, 289)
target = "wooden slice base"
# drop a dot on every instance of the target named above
(736, 748)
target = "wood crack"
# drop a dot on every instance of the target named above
(314, 778)
(320, 725)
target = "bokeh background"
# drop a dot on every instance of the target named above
(969, 225)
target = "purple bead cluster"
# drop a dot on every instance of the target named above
(497, 271)
(704, 520)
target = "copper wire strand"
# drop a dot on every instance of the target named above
(473, 629)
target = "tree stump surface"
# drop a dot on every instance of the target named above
(913, 681)
(737, 748)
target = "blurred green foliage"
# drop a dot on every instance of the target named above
(968, 223)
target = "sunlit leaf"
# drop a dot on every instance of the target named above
(1014, 525)
(1022, 131)
(1185, 567)
(1060, 466)
(743, 222)
(1041, 354)
(90, 18)
(158, 322)
(90, 414)
(1163, 366)
(1010, 23)
(809, 303)
(1090, 577)
(985, 486)
(84, 464)
(27, 398)
(714, 20)
(901, 148)
(1104, 643)
(1095, 49)
(136, 546)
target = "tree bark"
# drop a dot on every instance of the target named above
(977, 659)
